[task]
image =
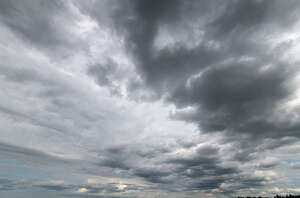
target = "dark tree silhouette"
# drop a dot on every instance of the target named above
(276, 196)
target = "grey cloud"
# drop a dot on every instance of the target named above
(102, 72)
(58, 96)
(230, 80)
(114, 163)
(83, 196)
(36, 161)
(153, 175)
(98, 10)
(231, 93)
(248, 149)
(105, 74)
(90, 196)
(204, 170)
(236, 94)
(269, 163)
(39, 23)
(55, 187)
(274, 143)
(136, 161)
(22, 116)
(207, 184)
(295, 165)
(245, 155)
(241, 15)
(72, 187)
(114, 157)
(7, 184)
(9, 150)
(246, 182)
(65, 188)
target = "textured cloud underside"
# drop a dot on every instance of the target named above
(149, 98)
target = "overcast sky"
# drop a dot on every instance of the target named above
(149, 98)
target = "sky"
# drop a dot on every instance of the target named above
(149, 98)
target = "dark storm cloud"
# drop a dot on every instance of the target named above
(237, 98)
(241, 15)
(141, 27)
(203, 170)
(167, 66)
(239, 83)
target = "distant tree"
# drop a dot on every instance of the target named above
(276, 196)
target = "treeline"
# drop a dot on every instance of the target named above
(276, 196)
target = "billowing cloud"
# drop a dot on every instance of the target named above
(141, 98)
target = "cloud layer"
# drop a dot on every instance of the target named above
(141, 98)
